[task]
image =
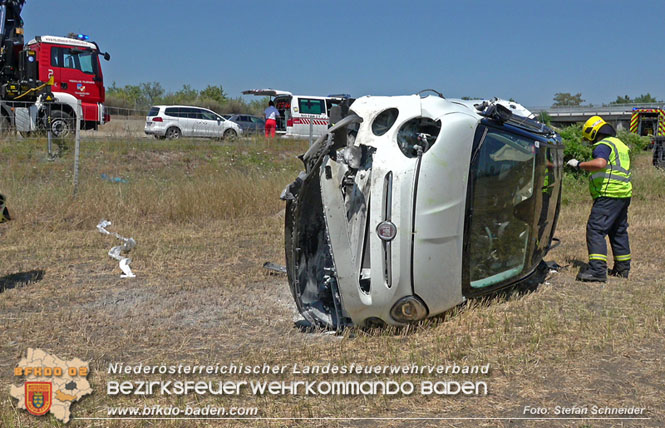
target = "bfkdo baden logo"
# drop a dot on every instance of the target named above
(38, 397)
(51, 384)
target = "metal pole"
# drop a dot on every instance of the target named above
(311, 132)
(48, 132)
(77, 147)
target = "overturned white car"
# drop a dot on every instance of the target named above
(410, 205)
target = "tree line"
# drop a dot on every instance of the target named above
(566, 99)
(144, 95)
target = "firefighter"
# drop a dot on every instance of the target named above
(611, 190)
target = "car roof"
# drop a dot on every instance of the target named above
(63, 41)
(179, 106)
(269, 92)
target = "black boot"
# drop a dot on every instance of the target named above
(621, 273)
(589, 276)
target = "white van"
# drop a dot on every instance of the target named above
(299, 111)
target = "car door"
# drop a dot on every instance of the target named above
(238, 119)
(311, 111)
(76, 69)
(246, 123)
(173, 116)
(202, 126)
(213, 123)
(258, 124)
(55, 55)
(186, 121)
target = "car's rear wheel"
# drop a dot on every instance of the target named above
(173, 133)
(230, 134)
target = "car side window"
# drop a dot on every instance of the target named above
(56, 57)
(208, 115)
(310, 106)
(190, 113)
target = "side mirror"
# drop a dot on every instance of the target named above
(107, 56)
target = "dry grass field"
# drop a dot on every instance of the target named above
(206, 215)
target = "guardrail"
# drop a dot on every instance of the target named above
(612, 108)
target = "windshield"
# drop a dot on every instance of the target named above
(502, 175)
(76, 59)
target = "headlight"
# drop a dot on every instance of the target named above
(408, 309)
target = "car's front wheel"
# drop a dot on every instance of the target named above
(173, 133)
(230, 134)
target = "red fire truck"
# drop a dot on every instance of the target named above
(46, 78)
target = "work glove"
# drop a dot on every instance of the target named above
(573, 163)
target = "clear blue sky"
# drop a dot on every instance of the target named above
(527, 50)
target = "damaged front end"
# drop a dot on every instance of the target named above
(410, 205)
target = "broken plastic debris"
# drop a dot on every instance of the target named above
(113, 179)
(274, 267)
(128, 244)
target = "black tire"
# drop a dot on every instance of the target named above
(659, 155)
(230, 134)
(173, 133)
(62, 124)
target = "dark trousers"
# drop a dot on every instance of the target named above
(609, 216)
